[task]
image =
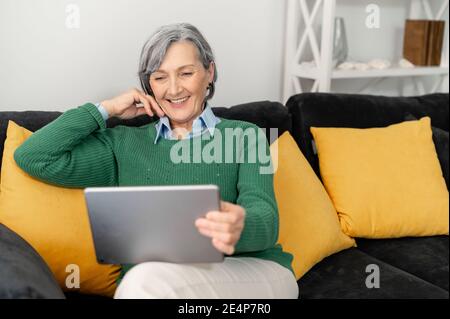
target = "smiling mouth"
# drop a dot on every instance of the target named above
(178, 102)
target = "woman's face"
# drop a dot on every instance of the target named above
(180, 84)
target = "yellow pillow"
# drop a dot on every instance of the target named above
(54, 221)
(309, 225)
(384, 182)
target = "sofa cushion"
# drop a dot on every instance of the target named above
(343, 276)
(425, 257)
(359, 111)
(381, 180)
(53, 220)
(23, 273)
(309, 224)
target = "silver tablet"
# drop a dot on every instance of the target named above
(131, 225)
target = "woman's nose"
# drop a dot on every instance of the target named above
(174, 88)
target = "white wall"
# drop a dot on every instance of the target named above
(46, 66)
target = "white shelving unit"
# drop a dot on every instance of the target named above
(323, 74)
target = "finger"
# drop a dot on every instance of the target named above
(217, 226)
(155, 105)
(138, 97)
(227, 238)
(147, 107)
(225, 206)
(220, 245)
(227, 249)
(141, 111)
(225, 217)
(205, 232)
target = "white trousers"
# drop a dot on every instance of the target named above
(239, 278)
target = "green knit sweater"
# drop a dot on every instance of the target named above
(77, 150)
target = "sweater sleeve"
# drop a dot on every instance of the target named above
(72, 151)
(257, 197)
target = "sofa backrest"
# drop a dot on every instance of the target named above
(302, 112)
(265, 114)
(358, 111)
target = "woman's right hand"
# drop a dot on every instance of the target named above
(125, 106)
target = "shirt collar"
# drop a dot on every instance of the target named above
(206, 119)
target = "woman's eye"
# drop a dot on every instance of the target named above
(158, 77)
(186, 74)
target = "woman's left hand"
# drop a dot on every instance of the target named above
(224, 226)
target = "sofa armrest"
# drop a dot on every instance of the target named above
(23, 273)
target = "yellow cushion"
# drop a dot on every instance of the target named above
(54, 221)
(309, 225)
(384, 182)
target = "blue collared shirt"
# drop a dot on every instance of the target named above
(205, 122)
(102, 111)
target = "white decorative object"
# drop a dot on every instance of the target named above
(362, 66)
(340, 46)
(348, 65)
(405, 64)
(379, 64)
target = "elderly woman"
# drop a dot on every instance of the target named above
(177, 73)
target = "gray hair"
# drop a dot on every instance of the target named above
(154, 51)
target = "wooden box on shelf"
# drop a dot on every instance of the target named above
(422, 42)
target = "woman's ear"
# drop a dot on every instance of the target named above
(211, 72)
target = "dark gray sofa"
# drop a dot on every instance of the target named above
(409, 267)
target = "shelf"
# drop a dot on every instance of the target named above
(307, 45)
(313, 73)
(391, 72)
